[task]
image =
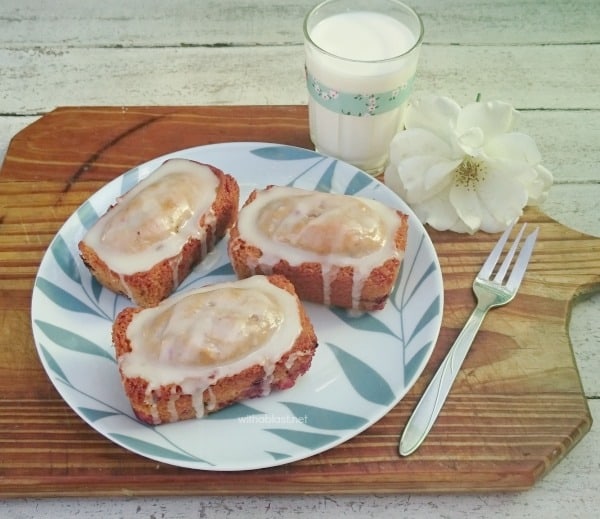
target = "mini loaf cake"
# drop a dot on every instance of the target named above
(336, 249)
(201, 350)
(150, 240)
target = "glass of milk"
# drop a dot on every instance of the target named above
(361, 58)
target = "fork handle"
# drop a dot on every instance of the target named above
(428, 408)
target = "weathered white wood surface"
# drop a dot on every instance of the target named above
(542, 56)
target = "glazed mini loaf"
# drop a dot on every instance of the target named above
(336, 249)
(149, 241)
(201, 350)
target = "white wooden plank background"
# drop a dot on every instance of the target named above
(542, 56)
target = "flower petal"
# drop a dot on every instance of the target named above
(439, 213)
(417, 141)
(503, 197)
(493, 117)
(437, 114)
(420, 164)
(467, 205)
(439, 175)
(391, 178)
(538, 188)
(471, 141)
(423, 176)
(514, 146)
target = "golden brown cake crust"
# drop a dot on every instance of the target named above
(158, 406)
(308, 277)
(150, 287)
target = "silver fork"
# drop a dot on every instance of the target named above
(490, 293)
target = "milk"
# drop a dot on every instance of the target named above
(360, 67)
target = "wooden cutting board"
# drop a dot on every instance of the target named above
(516, 409)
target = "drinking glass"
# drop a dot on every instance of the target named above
(361, 58)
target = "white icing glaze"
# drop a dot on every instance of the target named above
(333, 230)
(198, 337)
(154, 220)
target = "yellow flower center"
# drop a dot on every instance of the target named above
(469, 173)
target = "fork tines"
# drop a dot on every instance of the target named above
(520, 264)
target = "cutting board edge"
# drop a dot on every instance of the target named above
(581, 291)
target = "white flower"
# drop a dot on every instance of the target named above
(465, 169)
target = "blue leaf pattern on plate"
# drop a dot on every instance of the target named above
(431, 313)
(87, 215)
(415, 363)
(130, 179)
(364, 379)
(406, 298)
(278, 455)
(97, 288)
(322, 418)
(401, 298)
(326, 180)
(309, 440)
(407, 272)
(95, 414)
(284, 153)
(72, 341)
(154, 450)
(63, 298)
(52, 364)
(366, 322)
(62, 254)
(223, 270)
(358, 183)
(235, 412)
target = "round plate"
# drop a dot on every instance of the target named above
(363, 366)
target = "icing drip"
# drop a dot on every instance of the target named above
(153, 407)
(328, 275)
(212, 401)
(269, 369)
(171, 406)
(291, 360)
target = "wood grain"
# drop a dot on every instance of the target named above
(516, 410)
(154, 23)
